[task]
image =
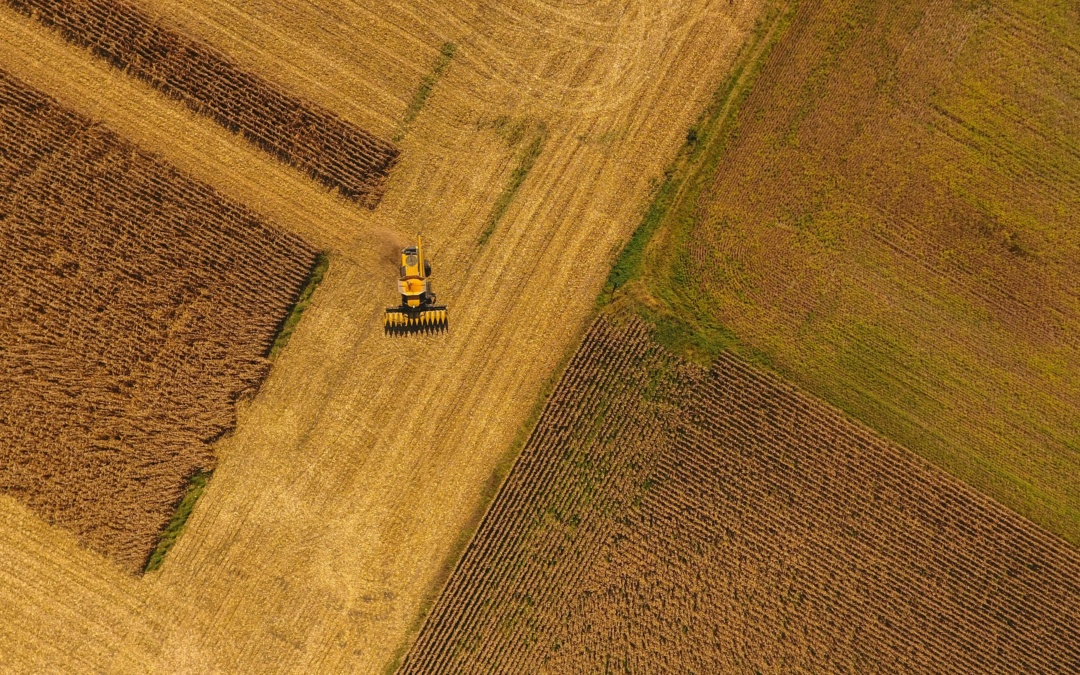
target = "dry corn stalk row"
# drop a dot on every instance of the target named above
(667, 519)
(315, 140)
(138, 306)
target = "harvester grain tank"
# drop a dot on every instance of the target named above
(418, 312)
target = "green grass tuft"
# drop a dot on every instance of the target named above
(183, 510)
(427, 85)
(288, 324)
(526, 159)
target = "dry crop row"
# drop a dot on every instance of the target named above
(138, 306)
(665, 518)
(302, 134)
(542, 534)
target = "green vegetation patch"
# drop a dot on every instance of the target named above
(183, 511)
(872, 206)
(427, 85)
(526, 158)
(289, 323)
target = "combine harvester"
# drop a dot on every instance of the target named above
(418, 312)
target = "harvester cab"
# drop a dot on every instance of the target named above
(418, 312)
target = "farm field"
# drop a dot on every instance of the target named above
(335, 511)
(306, 136)
(890, 220)
(138, 305)
(668, 518)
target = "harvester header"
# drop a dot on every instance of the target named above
(418, 312)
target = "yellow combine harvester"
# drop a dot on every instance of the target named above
(418, 312)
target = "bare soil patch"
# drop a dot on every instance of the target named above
(138, 307)
(665, 518)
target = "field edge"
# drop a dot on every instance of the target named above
(319, 266)
(184, 508)
(490, 494)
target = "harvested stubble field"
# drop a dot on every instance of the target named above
(137, 307)
(667, 518)
(335, 510)
(892, 220)
(309, 137)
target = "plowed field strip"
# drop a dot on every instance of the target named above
(299, 133)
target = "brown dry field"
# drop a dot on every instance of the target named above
(668, 518)
(894, 224)
(341, 498)
(138, 306)
(306, 136)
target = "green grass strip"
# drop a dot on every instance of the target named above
(288, 324)
(427, 85)
(705, 144)
(648, 272)
(525, 164)
(183, 510)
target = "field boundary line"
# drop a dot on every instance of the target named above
(196, 486)
(198, 482)
(304, 297)
(716, 120)
(491, 492)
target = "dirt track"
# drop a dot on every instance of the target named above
(335, 506)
